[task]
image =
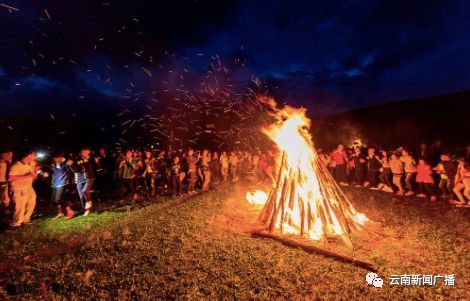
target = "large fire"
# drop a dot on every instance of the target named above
(305, 199)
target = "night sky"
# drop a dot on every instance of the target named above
(330, 56)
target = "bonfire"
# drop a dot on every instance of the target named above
(305, 199)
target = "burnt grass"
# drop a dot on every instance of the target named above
(172, 249)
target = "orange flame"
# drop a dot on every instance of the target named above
(259, 197)
(305, 199)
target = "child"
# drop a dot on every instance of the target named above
(396, 166)
(425, 180)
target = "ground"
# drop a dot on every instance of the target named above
(199, 247)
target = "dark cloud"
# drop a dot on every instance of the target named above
(328, 55)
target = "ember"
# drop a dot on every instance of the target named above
(305, 198)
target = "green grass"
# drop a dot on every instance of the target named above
(177, 250)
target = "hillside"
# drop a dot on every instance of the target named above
(406, 122)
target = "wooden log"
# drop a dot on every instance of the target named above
(266, 212)
(309, 248)
(277, 208)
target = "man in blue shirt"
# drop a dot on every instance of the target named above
(60, 181)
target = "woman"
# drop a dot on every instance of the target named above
(385, 173)
(425, 180)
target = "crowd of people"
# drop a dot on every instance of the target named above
(74, 180)
(429, 172)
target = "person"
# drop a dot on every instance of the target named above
(340, 160)
(396, 166)
(175, 174)
(425, 180)
(255, 162)
(192, 171)
(462, 183)
(410, 171)
(450, 169)
(224, 163)
(262, 166)
(127, 170)
(215, 168)
(423, 152)
(5, 165)
(162, 172)
(373, 168)
(104, 173)
(60, 181)
(84, 169)
(385, 173)
(443, 179)
(149, 175)
(139, 172)
(233, 166)
(324, 158)
(467, 153)
(360, 165)
(435, 151)
(206, 169)
(21, 177)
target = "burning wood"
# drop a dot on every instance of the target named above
(305, 199)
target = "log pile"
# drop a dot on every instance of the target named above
(317, 212)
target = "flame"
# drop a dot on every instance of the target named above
(259, 197)
(305, 199)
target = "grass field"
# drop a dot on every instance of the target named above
(200, 248)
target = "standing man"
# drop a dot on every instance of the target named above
(175, 172)
(373, 169)
(162, 175)
(84, 169)
(59, 183)
(21, 177)
(206, 169)
(127, 170)
(410, 171)
(192, 171)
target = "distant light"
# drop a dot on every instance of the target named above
(41, 155)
